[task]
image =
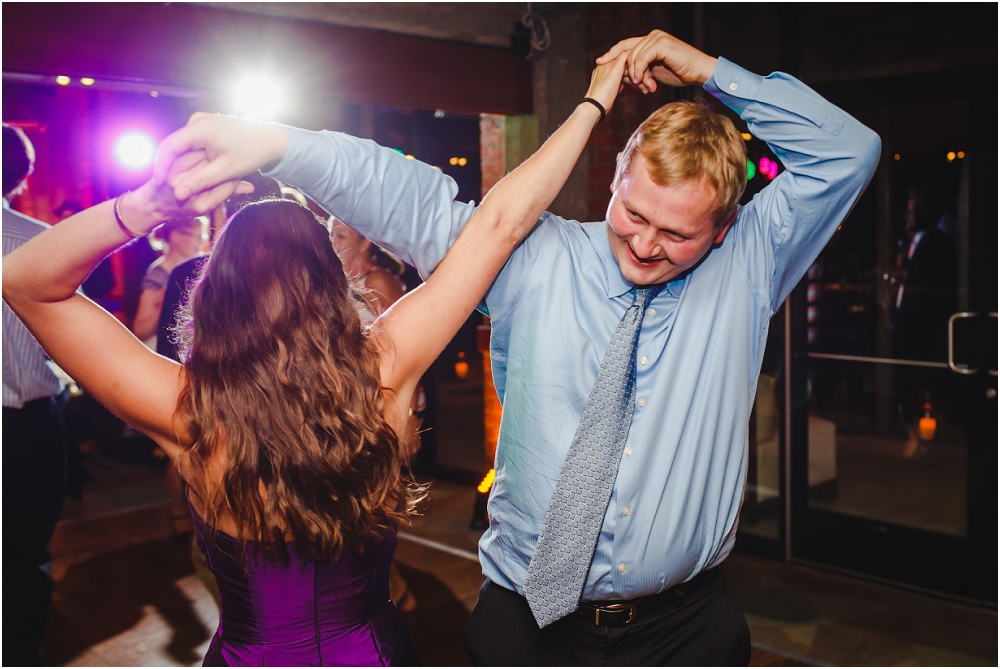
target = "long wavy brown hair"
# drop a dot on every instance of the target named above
(281, 376)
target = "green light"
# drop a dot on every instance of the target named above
(399, 151)
(751, 171)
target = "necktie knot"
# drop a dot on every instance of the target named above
(643, 296)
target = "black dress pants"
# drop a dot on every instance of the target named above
(34, 484)
(704, 628)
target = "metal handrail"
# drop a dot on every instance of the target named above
(881, 361)
(951, 364)
(992, 314)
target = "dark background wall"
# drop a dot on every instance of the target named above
(453, 56)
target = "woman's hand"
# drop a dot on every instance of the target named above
(151, 205)
(606, 81)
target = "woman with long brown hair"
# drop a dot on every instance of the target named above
(286, 418)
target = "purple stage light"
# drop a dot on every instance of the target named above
(134, 150)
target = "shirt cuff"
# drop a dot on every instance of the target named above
(296, 158)
(733, 86)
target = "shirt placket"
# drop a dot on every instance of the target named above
(627, 498)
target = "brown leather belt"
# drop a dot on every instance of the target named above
(622, 612)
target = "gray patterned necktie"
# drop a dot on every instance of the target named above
(568, 538)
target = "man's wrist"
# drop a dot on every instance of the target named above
(276, 140)
(706, 70)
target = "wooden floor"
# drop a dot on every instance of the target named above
(126, 593)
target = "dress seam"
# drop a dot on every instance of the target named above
(375, 643)
(319, 639)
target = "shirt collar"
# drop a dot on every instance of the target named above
(617, 285)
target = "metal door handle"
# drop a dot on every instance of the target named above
(962, 369)
(993, 314)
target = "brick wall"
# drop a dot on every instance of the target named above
(491, 163)
(606, 25)
(491, 133)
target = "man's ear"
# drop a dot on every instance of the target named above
(724, 229)
(614, 181)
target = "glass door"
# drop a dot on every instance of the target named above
(893, 342)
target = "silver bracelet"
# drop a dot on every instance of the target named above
(121, 224)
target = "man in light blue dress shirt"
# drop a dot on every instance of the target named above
(653, 593)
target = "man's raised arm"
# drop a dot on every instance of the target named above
(829, 156)
(403, 205)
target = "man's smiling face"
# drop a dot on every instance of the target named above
(659, 232)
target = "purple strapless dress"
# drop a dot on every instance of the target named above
(308, 613)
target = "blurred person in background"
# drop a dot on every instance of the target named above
(67, 209)
(925, 300)
(370, 267)
(34, 443)
(102, 279)
(179, 240)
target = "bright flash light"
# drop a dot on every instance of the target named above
(259, 97)
(87, 81)
(746, 136)
(135, 150)
(63, 80)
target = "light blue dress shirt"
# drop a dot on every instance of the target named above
(556, 303)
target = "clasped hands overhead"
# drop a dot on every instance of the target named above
(203, 161)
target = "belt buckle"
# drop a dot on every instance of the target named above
(611, 608)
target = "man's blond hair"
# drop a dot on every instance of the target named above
(687, 140)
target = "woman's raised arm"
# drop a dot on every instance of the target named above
(418, 327)
(39, 284)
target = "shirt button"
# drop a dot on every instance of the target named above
(650, 312)
(733, 86)
(626, 511)
(642, 360)
(642, 402)
(621, 568)
(628, 451)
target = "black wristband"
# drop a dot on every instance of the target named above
(597, 104)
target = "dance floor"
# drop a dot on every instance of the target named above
(126, 593)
